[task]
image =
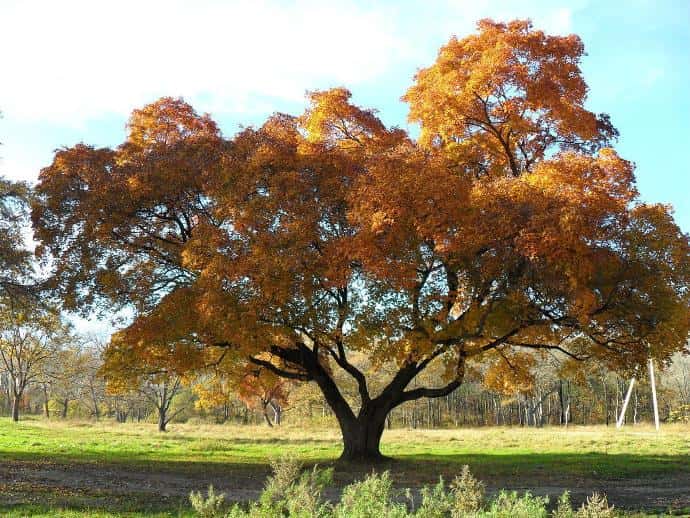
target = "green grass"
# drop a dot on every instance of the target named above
(500, 456)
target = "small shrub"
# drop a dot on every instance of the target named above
(286, 471)
(371, 498)
(437, 502)
(511, 505)
(564, 508)
(303, 498)
(213, 506)
(289, 492)
(468, 494)
(596, 507)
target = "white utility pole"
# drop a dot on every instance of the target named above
(654, 402)
(619, 423)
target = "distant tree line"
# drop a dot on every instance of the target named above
(68, 383)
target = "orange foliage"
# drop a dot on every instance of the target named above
(510, 225)
(511, 375)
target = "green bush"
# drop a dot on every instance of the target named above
(511, 505)
(468, 494)
(213, 506)
(373, 497)
(293, 492)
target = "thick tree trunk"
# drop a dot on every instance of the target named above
(362, 435)
(15, 408)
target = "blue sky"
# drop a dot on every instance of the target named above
(73, 70)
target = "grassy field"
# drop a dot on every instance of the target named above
(86, 468)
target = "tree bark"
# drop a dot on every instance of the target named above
(362, 435)
(94, 399)
(162, 423)
(264, 408)
(277, 412)
(15, 408)
(45, 401)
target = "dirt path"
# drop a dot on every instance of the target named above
(245, 483)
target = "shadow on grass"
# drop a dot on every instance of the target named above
(160, 488)
(424, 467)
(588, 464)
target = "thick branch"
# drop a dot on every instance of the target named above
(417, 393)
(301, 376)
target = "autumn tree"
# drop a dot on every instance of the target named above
(65, 377)
(91, 382)
(213, 391)
(156, 375)
(251, 388)
(30, 337)
(161, 390)
(509, 226)
(265, 390)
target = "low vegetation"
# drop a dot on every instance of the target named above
(293, 492)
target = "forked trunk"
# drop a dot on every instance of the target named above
(362, 431)
(277, 412)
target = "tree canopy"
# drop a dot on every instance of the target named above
(509, 226)
(15, 259)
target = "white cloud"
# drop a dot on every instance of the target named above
(75, 60)
(71, 61)
(560, 21)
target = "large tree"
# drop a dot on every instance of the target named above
(510, 225)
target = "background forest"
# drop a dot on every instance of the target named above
(67, 384)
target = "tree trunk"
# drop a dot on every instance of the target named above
(45, 401)
(606, 401)
(162, 423)
(264, 408)
(94, 399)
(277, 412)
(362, 431)
(15, 408)
(362, 436)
